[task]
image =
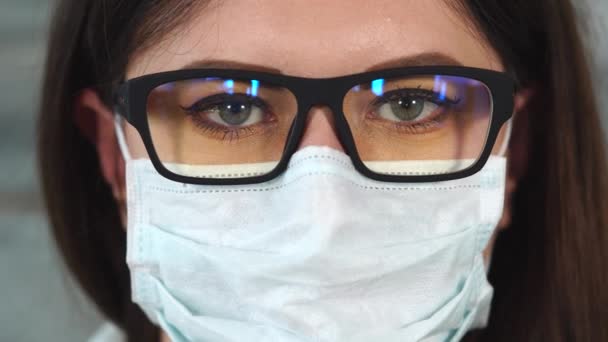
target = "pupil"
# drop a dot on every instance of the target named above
(235, 113)
(407, 108)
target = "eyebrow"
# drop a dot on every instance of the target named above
(423, 59)
(226, 64)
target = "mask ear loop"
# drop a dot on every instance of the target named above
(120, 137)
(505, 144)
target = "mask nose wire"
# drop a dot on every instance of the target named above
(120, 137)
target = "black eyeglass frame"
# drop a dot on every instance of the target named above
(130, 101)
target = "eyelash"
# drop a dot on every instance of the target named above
(213, 101)
(419, 92)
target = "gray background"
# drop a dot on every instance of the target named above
(39, 302)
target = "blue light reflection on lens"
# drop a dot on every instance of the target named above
(378, 86)
(205, 80)
(440, 86)
(253, 91)
(443, 90)
(166, 87)
(436, 83)
(229, 86)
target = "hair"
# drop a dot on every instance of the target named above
(548, 268)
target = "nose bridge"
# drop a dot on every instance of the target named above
(320, 129)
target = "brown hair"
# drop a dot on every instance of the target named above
(548, 269)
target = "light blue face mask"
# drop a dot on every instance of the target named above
(321, 253)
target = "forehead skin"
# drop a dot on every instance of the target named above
(317, 38)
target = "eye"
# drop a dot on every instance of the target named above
(229, 110)
(411, 106)
(407, 109)
(236, 113)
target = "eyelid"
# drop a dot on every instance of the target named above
(187, 91)
(426, 94)
(217, 99)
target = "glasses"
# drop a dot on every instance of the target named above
(415, 124)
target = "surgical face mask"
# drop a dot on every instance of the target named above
(320, 253)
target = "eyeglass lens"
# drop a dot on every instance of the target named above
(228, 128)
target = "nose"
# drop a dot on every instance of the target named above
(320, 129)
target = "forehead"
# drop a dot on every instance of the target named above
(317, 38)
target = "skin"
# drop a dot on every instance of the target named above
(311, 39)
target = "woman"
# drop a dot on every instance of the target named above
(332, 171)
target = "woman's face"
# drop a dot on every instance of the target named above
(309, 38)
